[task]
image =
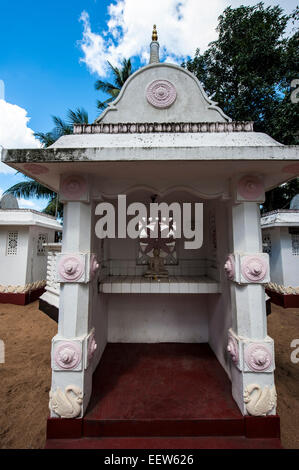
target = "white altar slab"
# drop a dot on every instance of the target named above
(172, 285)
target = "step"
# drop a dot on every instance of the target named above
(157, 427)
(263, 427)
(228, 442)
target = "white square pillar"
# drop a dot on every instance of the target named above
(247, 268)
(74, 345)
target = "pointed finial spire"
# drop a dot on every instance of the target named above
(154, 53)
(154, 34)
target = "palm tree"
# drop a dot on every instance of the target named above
(31, 188)
(63, 127)
(120, 75)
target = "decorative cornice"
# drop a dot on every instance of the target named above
(170, 127)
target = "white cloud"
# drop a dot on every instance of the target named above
(14, 130)
(182, 27)
(31, 204)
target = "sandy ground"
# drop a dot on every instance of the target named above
(283, 327)
(25, 377)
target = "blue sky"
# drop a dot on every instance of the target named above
(39, 59)
(51, 52)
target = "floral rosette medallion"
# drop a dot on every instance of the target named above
(67, 355)
(161, 94)
(258, 357)
(73, 187)
(71, 268)
(229, 267)
(250, 188)
(254, 268)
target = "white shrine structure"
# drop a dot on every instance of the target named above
(23, 260)
(163, 139)
(280, 236)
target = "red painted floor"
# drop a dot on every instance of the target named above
(160, 396)
(161, 381)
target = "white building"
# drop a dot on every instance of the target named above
(162, 139)
(280, 231)
(23, 261)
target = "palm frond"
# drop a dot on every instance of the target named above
(120, 76)
(46, 138)
(61, 127)
(103, 104)
(79, 116)
(106, 87)
(29, 189)
(54, 207)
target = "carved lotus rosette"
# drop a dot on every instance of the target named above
(250, 188)
(94, 266)
(92, 346)
(67, 355)
(73, 187)
(71, 268)
(35, 168)
(254, 268)
(229, 267)
(233, 349)
(258, 357)
(161, 93)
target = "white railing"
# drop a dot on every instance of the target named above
(51, 296)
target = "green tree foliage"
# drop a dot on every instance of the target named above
(120, 75)
(249, 69)
(280, 198)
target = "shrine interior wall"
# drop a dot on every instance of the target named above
(154, 318)
(157, 317)
(98, 318)
(219, 306)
